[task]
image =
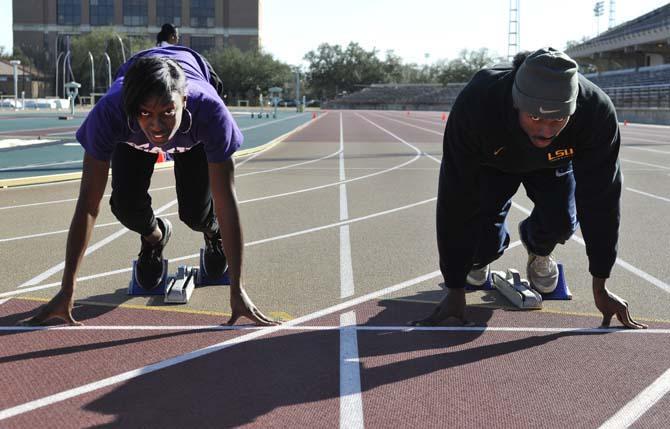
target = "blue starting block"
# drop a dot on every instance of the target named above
(561, 293)
(486, 286)
(184, 280)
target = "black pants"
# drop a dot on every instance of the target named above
(131, 176)
(552, 221)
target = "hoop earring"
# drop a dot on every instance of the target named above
(190, 121)
(129, 127)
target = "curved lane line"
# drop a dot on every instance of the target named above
(251, 243)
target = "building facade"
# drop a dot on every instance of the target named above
(39, 25)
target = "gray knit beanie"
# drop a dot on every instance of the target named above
(546, 84)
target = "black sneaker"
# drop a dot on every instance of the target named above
(214, 260)
(149, 268)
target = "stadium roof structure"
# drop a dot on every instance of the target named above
(649, 34)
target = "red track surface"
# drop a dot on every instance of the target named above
(290, 378)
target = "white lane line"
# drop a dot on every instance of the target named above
(67, 200)
(351, 402)
(58, 267)
(428, 121)
(416, 149)
(637, 125)
(646, 194)
(328, 185)
(90, 277)
(439, 161)
(620, 262)
(251, 243)
(379, 168)
(644, 149)
(411, 125)
(418, 154)
(311, 161)
(662, 167)
(62, 231)
(241, 163)
(646, 399)
(362, 328)
(435, 121)
(265, 124)
(151, 190)
(250, 200)
(347, 287)
(129, 375)
(51, 164)
(4, 300)
(74, 199)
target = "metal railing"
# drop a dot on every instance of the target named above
(641, 96)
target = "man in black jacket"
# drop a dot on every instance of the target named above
(542, 124)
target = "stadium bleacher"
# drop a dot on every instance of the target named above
(644, 87)
(390, 96)
(654, 75)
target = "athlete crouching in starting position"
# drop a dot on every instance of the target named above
(542, 124)
(162, 99)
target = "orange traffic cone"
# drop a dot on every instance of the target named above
(444, 116)
(313, 115)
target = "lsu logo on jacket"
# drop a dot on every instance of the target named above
(559, 154)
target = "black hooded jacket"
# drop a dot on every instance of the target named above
(483, 130)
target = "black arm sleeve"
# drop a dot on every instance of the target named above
(598, 191)
(457, 200)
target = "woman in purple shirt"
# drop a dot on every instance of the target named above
(161, 100)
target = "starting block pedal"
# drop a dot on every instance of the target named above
(136, 289)
(562, 291)
(516, 290)
(180, 287)
(203, 279)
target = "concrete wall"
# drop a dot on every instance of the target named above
(644, 116)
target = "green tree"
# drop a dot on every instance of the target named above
(244, 73)
(17, 55)
(333, 70)
(466, 65)
(97, 43)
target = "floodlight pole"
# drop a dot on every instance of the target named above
(15, 64)
(513, 40)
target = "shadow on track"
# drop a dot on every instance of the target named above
(248, 382)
